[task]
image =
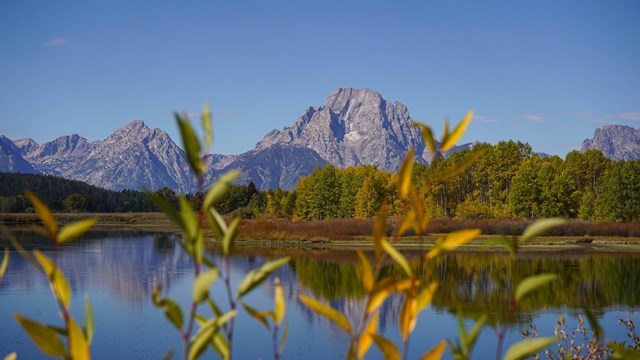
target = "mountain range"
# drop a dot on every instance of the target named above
(353, 127)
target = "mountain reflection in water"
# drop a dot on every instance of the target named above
(120, 271)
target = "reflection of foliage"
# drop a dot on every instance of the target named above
(595, 281)
(329, 280)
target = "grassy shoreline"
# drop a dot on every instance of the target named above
(349, 234)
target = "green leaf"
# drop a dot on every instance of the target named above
(220, 187)
(389, 349)
(330, 313)
(285, 335)
(171, 310)
(189, 220)
(539, 227)
(58, 282)
(256, 276)
(229, 237)
(595, 325)
(380, 230)
(202, 284)
(78, 345)
(504, 242)
(620, 352)
(456, 134)
(75, 230)
(397, 257)
(531, 283)
(436, 352)
(206, 334)
(191, 144)
(45, 214)
(260, 316)
(88, 319)
(366, 272)
(207, 126)
(221, 346)
(404, 175)
(528, 347)
(218, 225)
(163, 205)
(5, 262)
(44, 337)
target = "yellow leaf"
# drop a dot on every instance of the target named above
(407, 222)
(408, 316)
(12, 356)
(426, 295)
(436, 352)
(397, 256)
(384, 288)
(45, 214)
(203, 282)
(75, 230)
(330, 313)
(427, 135)
(367, 339)
(279, 303)
(389, 350)
(405, 174)
(78, 345)
(5, 262)
(452, 241)
(44, 337)
(59, 283)
(445, 133)
(454, 136)
(366, 271)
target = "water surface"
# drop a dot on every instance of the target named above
(119, 272)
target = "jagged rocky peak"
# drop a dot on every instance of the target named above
(354, 127)
(618, 142)
(26, 145)
(10, 158)
(64, 146)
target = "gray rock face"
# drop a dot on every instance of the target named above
(134, 157)
(11, 159)
(26, 145)
(273, 167)
(354, 127)
(617, 142)
(59, 156)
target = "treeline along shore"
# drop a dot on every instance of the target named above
(504, 190)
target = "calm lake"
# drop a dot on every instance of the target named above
(119, 272)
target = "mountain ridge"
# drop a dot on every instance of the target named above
(353, 127)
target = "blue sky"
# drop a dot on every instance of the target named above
(545, 72)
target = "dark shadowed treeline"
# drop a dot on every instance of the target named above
(66, 195)
(507, 181)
